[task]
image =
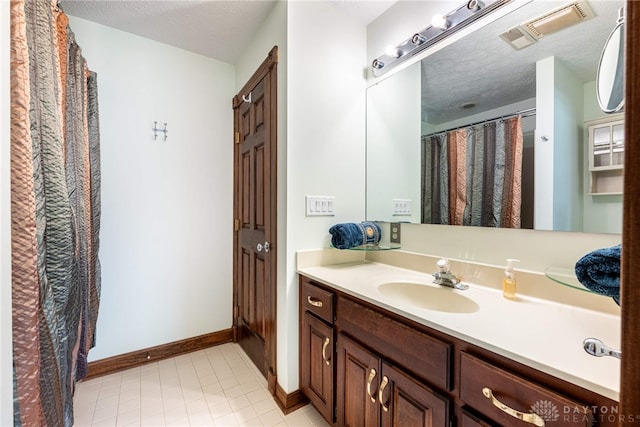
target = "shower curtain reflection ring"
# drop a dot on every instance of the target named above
(247, 99)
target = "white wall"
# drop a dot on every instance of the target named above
(393, 146)
(568, 143)
(602, 214)
(326, 144)
(166, 236)
(544, 141)
(6, 360)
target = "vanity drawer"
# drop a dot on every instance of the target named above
(317, 300)
(503, 396)
(425, 356)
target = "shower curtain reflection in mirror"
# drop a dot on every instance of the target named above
(473, 176)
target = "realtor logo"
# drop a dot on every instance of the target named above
(546, 410)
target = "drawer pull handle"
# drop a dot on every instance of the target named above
(324, 351)
(372, 375)
(314, 302)
(385, 381)
(530, 418)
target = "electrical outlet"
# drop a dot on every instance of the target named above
(394, 231)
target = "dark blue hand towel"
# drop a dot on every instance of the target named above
(599, 271)
(350, 234)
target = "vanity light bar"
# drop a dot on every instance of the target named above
(448, 24)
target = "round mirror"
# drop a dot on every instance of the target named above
(610, 78)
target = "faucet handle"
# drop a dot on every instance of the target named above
(443, 265)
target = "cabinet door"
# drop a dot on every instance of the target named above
(607, 144)
(405, 402)
(357, 385)
(469, 420)
(316, 364)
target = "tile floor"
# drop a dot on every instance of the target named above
(218, 386)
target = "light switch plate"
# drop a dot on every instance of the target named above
(401, 207)
(320, 205)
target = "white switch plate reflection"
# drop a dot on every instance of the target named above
(401, 207)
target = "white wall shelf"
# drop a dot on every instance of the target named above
(606, 155)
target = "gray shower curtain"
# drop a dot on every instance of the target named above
(55, 209)
(473, 176)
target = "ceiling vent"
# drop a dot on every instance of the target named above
(517, 38)
(531, 31)
(558, 19)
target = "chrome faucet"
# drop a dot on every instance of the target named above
(445, 277)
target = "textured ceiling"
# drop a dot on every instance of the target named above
(219, 29)
(484, 69)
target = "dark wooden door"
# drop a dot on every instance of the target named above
(407, 403)
(357, 385)
(316, 364)
(255, 218)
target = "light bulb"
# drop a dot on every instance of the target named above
(440, 21)
(393, 52)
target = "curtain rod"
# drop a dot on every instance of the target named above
(524, 113)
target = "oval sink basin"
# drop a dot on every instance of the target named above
(429, 297)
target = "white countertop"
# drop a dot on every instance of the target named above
(542, 334)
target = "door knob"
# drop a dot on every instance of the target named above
(265, 246)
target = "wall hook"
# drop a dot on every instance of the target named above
(247, 99)
(156, 129)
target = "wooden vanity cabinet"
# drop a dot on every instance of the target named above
(508, 398)
(392, 371)
(317, 348)
(358, 374)
(470, 420)
(372, 392)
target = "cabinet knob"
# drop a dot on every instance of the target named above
(530, 417)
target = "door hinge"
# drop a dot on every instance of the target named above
(237, 137)
(235, 312)
(236, 225)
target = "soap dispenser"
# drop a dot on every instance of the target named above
(509, 280)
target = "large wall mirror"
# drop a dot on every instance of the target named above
(484, 81)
